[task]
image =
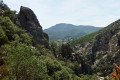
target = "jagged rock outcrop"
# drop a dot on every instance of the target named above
(106, 44)
(101, 41)
(66, 51)
(103, 50)
(28, 21)
(84, 68)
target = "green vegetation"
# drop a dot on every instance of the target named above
(69, 32)
(10, 32)
(84, 39)
(24, 60)
(6, 12)
(20, 60)
(88, 77)
(23, 64)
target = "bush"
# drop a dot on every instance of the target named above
(10, 32)
(23, 64)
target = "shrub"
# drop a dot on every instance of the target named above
(23, 64)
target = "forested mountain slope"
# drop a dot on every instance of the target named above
(64, 31)
(27, 54)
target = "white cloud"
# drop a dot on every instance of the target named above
(87, 12)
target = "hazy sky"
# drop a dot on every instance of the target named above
(79, 12)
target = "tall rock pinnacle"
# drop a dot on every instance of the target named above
(28, 21)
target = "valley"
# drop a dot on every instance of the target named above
(61, 52)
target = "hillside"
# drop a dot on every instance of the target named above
(64, 31)
(27, 54)
(100, 49)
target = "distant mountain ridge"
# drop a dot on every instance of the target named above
(63, 30)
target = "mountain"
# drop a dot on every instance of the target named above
(27, 54)
(63, 31)
(100, 49)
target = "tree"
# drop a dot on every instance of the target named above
(24, 65)
(54, 48)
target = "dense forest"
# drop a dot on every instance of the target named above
(27, 54)
(64, 31)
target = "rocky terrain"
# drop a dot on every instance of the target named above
(28, 21)
(102, 50)
(27, 54)
(25, 48)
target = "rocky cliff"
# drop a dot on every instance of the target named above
(28, 21)
(102, 50)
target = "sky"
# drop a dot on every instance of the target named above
(99, 13)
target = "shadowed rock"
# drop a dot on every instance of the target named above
(28, 21)
(66, 50)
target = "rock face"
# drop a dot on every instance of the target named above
(84, 68)
(66, 51)
(28, 21)
(104, 50)
(101, 41)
